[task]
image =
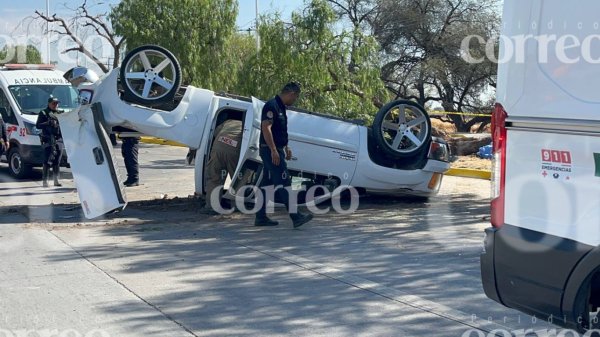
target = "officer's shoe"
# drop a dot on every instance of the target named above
(131, 182)
(45, 183)
(265, 222)
(57, 183)
(300, 219)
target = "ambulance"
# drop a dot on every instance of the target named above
(542, 253)
(24, 92)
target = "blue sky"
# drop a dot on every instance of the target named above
(14, 14)
(11, 13)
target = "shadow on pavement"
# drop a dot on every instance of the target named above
(217, 273)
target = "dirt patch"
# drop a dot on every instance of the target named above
(486, 129)
(473, 163)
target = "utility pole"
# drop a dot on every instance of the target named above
(257, 35)
(48, 31)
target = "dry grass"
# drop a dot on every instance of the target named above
(472, 162)
(444, 128)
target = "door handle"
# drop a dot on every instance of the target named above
(294, 158)
(253, 148)
(98, 156)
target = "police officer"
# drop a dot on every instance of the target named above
(4, 144)
(50, 138)
(224, 155)
(129, 151)
(274, 151)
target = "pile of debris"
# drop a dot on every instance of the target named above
(461, 144)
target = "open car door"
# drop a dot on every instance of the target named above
(90, 155)
(249, 167)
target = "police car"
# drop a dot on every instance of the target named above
(24, 92)
(397, 155)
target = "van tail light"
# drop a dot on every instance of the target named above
(499, 165)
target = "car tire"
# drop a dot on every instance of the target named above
(402, 129)
(142, 80)
(16, 166)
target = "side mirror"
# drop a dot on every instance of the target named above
(79, 75)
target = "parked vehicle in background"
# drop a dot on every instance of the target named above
(542, 253)
(24, 92)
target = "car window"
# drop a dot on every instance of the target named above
(8, 115)
(31, 99)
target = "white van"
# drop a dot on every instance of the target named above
(542, 255)
(24, 92)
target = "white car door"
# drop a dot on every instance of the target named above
(249, 167)
(90, 155)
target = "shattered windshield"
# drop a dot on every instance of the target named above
(31, 99)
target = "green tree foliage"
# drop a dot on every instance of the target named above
(339, 74)
(422, 48)
(20, 54)
(200, 34)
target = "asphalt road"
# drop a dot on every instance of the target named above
(395, 267)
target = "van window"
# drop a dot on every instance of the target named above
(31, 99)
(8, 114)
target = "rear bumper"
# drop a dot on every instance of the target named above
(534, 272)
(488, 274)
(436, 166)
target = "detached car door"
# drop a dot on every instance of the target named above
(249, 167)
(90, 155)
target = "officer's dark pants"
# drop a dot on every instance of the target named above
(277, 176)
(52, 159)
(129, 150)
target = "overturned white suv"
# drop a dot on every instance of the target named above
(397, 155)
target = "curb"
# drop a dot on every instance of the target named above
(159, 141)
(468, 173)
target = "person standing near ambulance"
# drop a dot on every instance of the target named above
(50, 139)
(4, 144)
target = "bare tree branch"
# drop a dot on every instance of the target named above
(97, 23)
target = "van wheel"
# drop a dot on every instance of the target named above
(17, 167)
(150, 75)
(402, 129)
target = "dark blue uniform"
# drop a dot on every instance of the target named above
(274, 111)
(129, 150)
(51, 139)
